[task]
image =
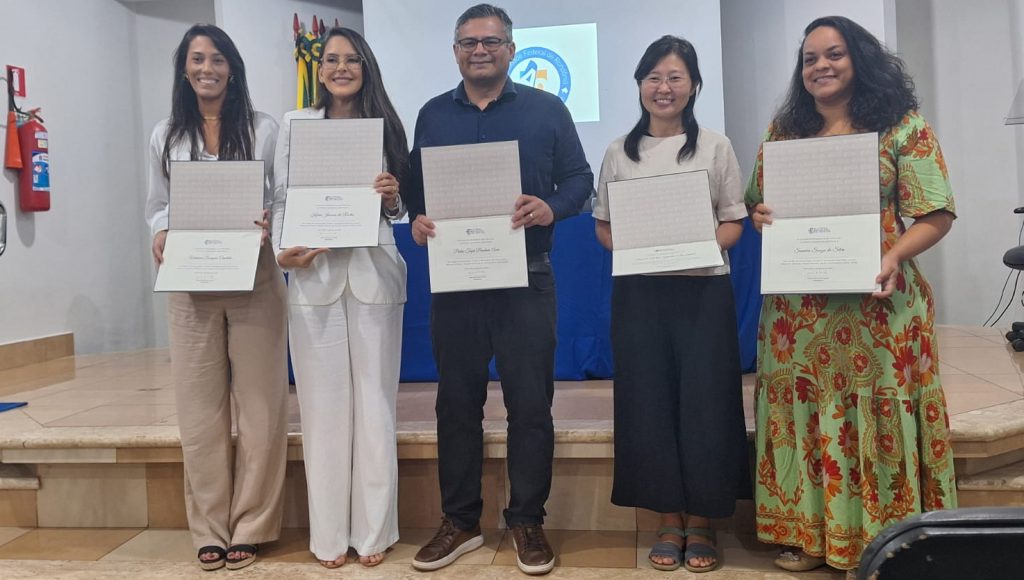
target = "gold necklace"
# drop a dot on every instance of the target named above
(205, 118)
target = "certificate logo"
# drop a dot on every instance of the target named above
(475, 231)
(542, 68)
(213, 242)
(819, 230)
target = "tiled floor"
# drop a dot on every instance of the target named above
(131, 393)
(133, 389)
(581, 554)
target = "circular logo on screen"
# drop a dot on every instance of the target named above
(543, 69)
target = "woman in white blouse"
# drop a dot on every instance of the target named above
(680, 440)
(227, 347)
(345, 322)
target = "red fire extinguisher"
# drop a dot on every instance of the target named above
(34, 188)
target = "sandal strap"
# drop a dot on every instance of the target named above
(666, 550)
(248, 548)
(671, 530)
(706, 532)
(212, 550)
(700, 551)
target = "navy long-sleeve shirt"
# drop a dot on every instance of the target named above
(552, 164)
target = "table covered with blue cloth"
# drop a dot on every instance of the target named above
(583, 284)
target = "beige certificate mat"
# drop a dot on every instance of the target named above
(212, 244)
(824, 195)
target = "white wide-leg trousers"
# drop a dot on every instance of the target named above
(346, 358)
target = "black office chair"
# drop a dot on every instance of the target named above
(962, 544)
(1014, 259)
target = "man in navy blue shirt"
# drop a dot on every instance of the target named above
(516, 326)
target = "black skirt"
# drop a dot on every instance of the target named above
(680, 438)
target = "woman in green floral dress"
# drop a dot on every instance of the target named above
(852, 431)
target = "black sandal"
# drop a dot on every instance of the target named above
(210, 565)
(239, 563)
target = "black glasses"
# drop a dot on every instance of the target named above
(491, 43)
(350, 61)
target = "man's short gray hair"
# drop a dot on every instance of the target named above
(485, 11)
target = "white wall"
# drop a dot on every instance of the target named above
(77, 266)
(967, 63)
(262, 30)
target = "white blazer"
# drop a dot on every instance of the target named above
(375, 275)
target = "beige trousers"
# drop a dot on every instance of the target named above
(226, 345)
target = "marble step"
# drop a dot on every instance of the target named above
(1006, 478)
(18, 477)
(999, 487)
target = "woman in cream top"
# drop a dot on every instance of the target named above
(680, 440)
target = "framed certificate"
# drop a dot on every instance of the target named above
(331, 217)
(663, 223)
(470, 193)
(477, 254)
(330, 201)
(826, 234)
(212, 243)
(209, 261)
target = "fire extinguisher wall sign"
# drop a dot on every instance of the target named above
(34, 187)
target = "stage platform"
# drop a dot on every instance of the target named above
(97, 447)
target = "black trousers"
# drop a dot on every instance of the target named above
(517, 327)
(680, 437)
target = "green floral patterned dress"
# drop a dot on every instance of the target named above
(852, 432)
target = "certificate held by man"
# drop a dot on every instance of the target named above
(825, 232)
(663, 223)
(212, 243)
(470, 193)
(330, 200)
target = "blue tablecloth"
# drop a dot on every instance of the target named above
(583, 281)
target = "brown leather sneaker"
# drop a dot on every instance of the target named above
(446, 546)
(533, 552)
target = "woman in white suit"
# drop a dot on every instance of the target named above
(345, 321)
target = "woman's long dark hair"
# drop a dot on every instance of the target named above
(373, 103)
(236, 116)
(883, 92)
(658, 50)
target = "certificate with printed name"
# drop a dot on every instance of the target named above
(331, 217)
(212, 244)
(663, 223)
(470, 193)
(477, 254)
(825, 235)
(330, 201)
(209, 261)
